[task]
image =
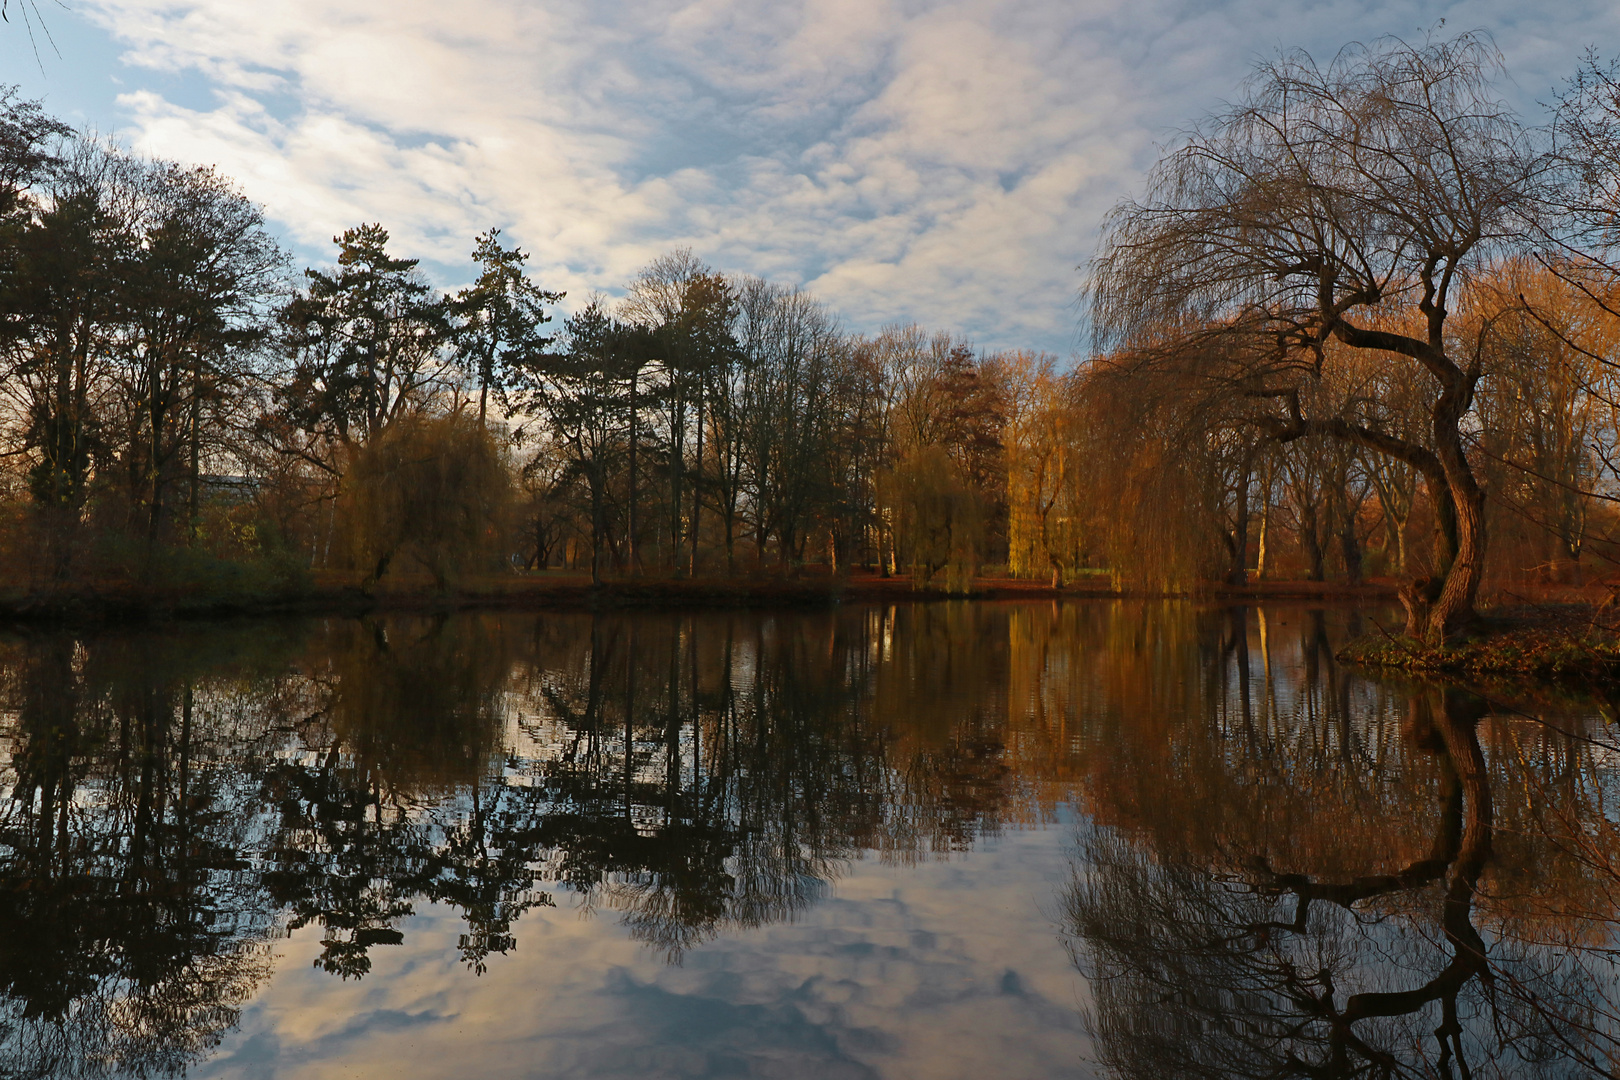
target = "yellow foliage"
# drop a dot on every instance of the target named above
(434, 487)
(1044, 533)
(938, 518)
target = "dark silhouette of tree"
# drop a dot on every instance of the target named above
(197, 293)
(498, 318)
(364, 339)
(584, 397)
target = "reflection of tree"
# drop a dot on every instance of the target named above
(134, 924)
(692, 774)
(1211, 961)
(178, 797)
(405, 712)
(655, 779)
(691, 800)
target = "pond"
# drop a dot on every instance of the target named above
(1095, 839)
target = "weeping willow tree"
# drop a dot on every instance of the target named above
(435, 488)
(1327, 203)
(1163, 478)
(938, 517)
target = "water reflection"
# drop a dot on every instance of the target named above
(1343, 878)
(1285, 868)
(181, 799)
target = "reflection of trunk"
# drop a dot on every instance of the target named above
(1452, 717)
(1238, 631)
(1443, 722)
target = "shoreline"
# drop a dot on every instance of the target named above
(341, 595)
(1557, 642)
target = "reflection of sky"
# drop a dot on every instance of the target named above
(941, 969)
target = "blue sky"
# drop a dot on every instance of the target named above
(944, 163)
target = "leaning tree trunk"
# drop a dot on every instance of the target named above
(1453, 611)
(1440, 608)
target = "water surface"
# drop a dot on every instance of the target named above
(948, 840)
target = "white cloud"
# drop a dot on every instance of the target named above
(944, 162)
(941, 969)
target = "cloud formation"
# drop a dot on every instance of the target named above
(942, 969)
(941, 162)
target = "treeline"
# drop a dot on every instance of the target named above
(177, 400)
(1362, 323)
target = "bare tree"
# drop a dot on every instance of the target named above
(1345, 203)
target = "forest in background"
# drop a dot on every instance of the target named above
(179, 407)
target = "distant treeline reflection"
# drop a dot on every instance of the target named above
(179, 799)
(1285, 870)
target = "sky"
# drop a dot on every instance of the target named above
(944, 163)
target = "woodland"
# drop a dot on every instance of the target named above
(1359, 324)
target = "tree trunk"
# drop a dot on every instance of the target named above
(1452, 612)
(1265, 537)
(598, 530)
(157, 416)
(1350, 549)
(677, 458)
(1310, 540)
(697, 486)
(630, 538)
(731, 542)
(1238, 547)
(196, 455)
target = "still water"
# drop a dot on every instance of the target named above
(950, 840)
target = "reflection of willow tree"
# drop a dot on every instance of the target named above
(403, 717)
(706, 780)
(1235, 930)
(135, 929)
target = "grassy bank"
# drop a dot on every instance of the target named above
(1556, 642)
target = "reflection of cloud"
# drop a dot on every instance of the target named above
(940, 970)
(944, 161)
